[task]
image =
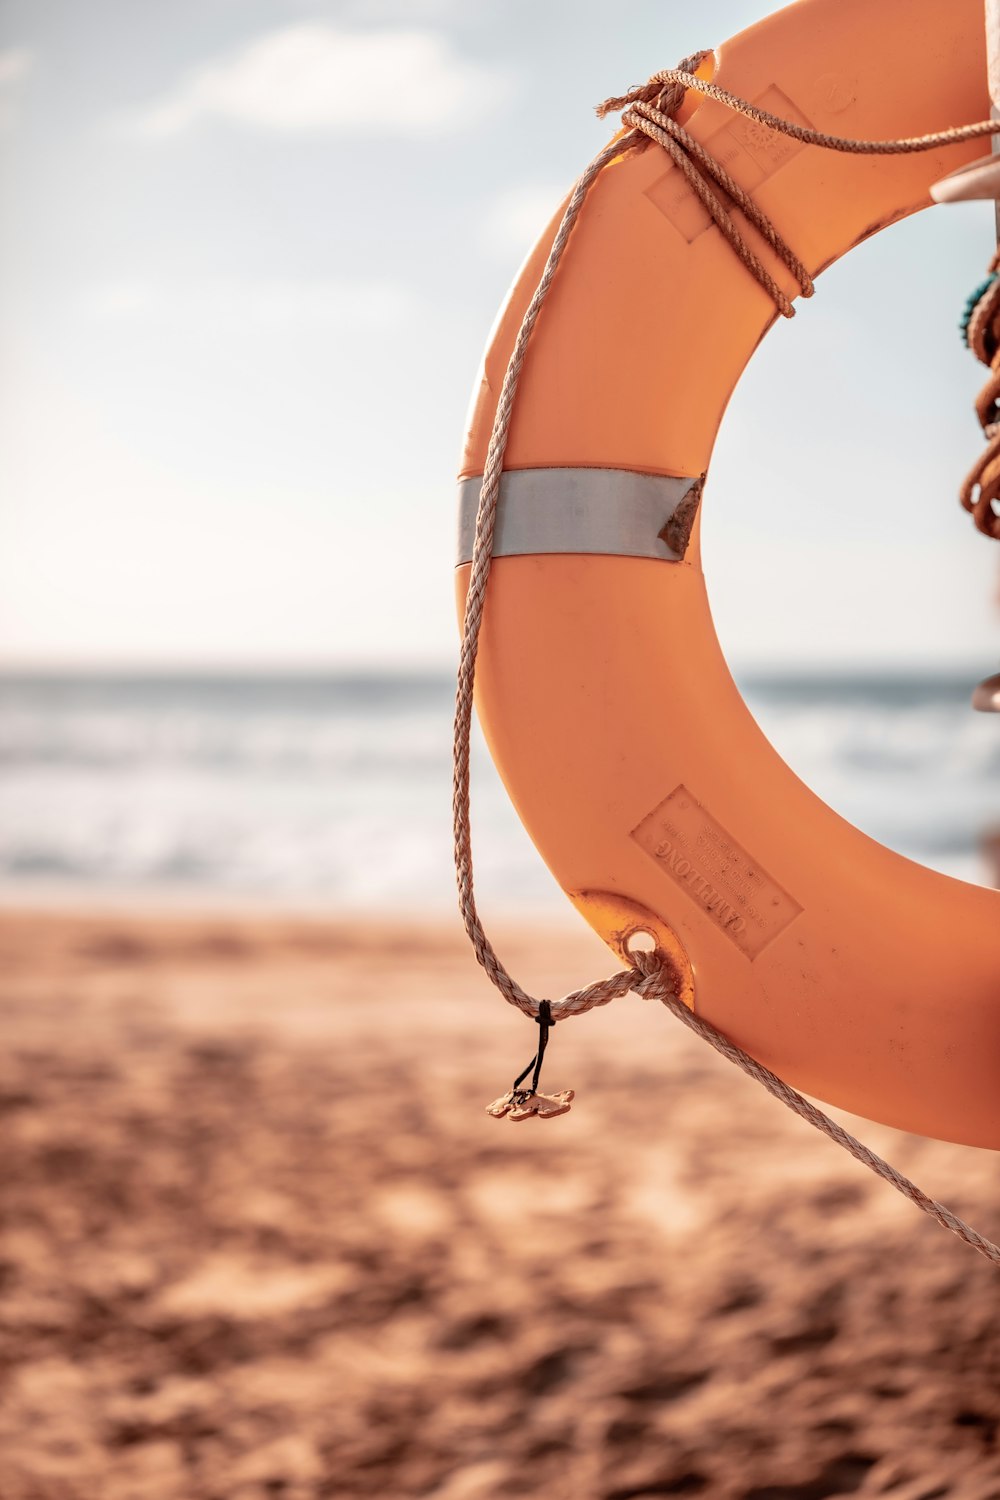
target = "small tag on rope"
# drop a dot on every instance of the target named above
(525, 1103)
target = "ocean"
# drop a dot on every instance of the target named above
(334, 790)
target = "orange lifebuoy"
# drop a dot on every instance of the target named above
(857, 975)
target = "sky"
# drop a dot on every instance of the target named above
(250, 252)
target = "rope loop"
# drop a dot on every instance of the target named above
(980, 491)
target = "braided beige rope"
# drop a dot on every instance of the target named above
(482, 556)
(682, 78)
(652, 986)
(649, 118)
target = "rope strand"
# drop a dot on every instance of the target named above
(683, 78)
(650, 984)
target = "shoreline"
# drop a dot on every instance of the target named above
(128, 900)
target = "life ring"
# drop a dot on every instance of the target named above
(857, 975)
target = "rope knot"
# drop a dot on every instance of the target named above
(648, 114)
(647, 964)
(663, 92)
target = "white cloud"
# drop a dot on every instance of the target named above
(15, 63)
(318, 78)
(515, 218)
(275, 306)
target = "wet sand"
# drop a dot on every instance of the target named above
(258, 1238)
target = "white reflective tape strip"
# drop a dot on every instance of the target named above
(611, 511)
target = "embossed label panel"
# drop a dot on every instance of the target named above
(716, 872)
(749, 151)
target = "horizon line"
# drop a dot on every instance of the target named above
(156, 667)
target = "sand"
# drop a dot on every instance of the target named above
(260, 1239)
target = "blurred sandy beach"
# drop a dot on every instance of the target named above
(259, 1238)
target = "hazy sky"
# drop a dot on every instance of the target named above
(250, 251)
